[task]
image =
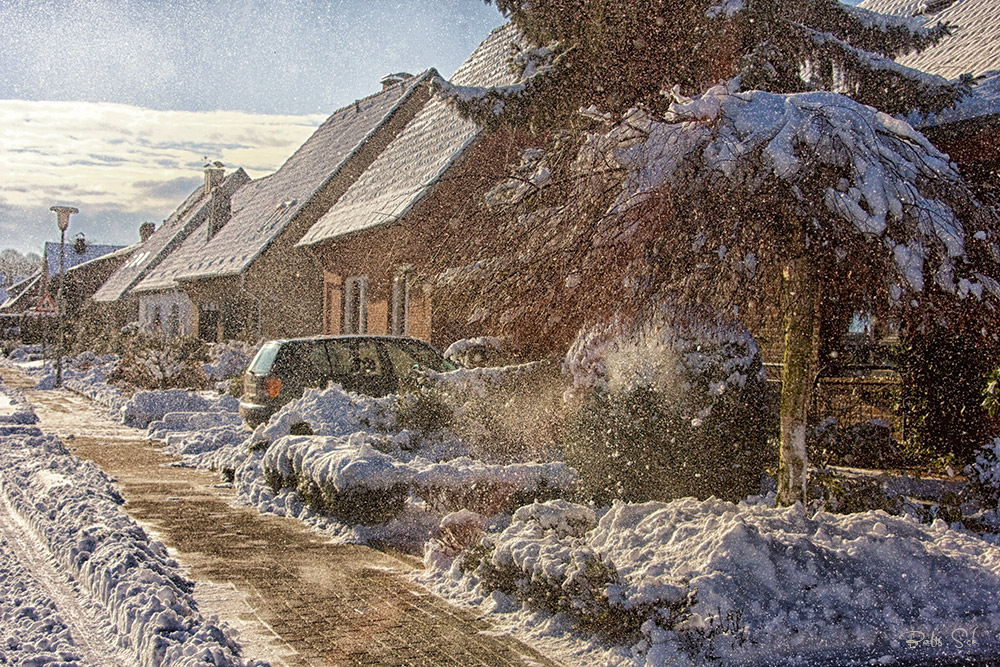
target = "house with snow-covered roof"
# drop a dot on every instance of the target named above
(25, 295)
(385, 236)
(970, 131)
(172, 312)
(247, 279)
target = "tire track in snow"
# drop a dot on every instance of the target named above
(89, 627)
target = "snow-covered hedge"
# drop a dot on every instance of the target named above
(671, 405)
(688, 581)
(504, 414)
(75, 511)
(349, 478)
(146, 407)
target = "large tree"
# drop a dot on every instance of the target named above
(617, 54)
(818, 197)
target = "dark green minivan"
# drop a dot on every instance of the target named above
(370, 365)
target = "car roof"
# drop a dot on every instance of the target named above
(385, 337)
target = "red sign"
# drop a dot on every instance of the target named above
(45, 304)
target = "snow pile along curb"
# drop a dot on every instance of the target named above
(690, 581)
(74, 510)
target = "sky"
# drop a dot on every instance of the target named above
(113, 106)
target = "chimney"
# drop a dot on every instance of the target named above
(390, 80)
(80, 244)
(146, 230)
(218, 210)
(215, 172)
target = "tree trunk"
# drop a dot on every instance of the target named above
(797, 377)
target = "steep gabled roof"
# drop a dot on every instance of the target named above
(166, 239)
(72, 257)
(972, 48)
(279, 198)
(18, 290)
(164, 275)
(423, 151)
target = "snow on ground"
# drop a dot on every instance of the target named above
(82, 582)
(683, 582)
(691, 581)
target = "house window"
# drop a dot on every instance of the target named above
(356, 305)
(401, 304)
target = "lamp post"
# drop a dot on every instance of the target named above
(62, 219)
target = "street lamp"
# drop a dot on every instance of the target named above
(62, 219)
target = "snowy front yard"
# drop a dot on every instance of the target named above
(502, 532)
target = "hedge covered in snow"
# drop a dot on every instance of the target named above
(350, 478)
(75, 511)
(689, 581)
(669, 404)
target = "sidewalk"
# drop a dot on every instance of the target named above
(321, 604)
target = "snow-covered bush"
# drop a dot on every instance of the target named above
(160, 362)
(506, 414)
(227, 360)
(668, 406)
(984, 473)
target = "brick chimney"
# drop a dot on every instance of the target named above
(215, 173)
(219, 210)
(146, 230)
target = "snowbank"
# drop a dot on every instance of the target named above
(33, 627)
(75, 511)
(14, 409)
(688, 581)
(146, 407)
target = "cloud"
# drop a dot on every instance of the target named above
(175, 189)
(126, 158)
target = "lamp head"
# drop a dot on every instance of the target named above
(62, 215)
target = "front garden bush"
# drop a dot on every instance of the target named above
(156, 361)
(674, 404)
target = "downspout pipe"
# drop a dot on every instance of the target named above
(260, 306)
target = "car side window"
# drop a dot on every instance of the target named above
(317, 365)
(366, 361)
(401, 359)
(353, 358)
(303, 364)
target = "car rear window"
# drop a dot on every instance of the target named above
(261, 363)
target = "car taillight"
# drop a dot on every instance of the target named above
(272, 386)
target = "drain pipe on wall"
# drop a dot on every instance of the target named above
(260, 306)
